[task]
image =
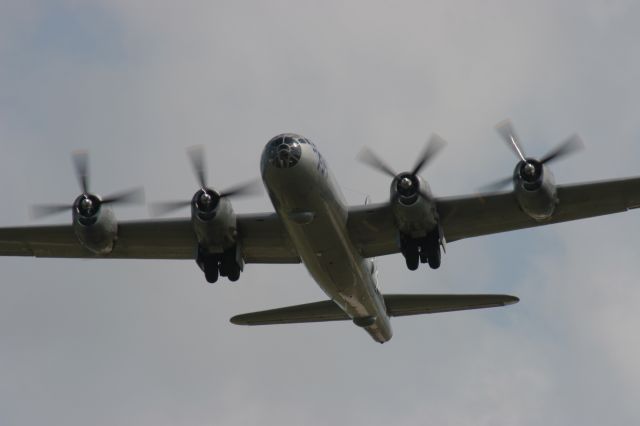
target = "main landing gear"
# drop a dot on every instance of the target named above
(421, 250)
(215, 265)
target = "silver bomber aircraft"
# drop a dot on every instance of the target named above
(312, 224)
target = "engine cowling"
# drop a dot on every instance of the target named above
(535, 189)
(94, 224)
(412, 205)
(214, 221)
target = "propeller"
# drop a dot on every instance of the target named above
(87, 203)
(206, 198)
(408, 182)
(531, 167)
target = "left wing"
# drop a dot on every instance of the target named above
(466, 217)
(261, 236)
(373, 230)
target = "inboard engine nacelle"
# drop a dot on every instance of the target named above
(214, 221)
(412, 205)
(214, 224)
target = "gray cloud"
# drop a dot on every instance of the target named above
(132, 342)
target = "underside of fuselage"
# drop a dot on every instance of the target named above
(313, 211)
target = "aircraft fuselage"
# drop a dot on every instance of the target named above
(314, 213)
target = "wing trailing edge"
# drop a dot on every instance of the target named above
(397, 305)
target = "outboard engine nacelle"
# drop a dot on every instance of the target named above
(533, 183)
(94, 224)
(535, 189)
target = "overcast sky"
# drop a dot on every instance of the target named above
(149, 342)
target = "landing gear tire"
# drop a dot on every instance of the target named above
(411, 254)
(227, 266)
(434, 259)
(434, 255)
(413, 260)
(211, 270)
(234, 274)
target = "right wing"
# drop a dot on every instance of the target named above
(397, 305)
(158, 239)
(262, 237)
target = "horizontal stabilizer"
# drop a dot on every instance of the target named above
(397, 305)
(310, 312)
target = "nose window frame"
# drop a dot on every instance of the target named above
(284, 152)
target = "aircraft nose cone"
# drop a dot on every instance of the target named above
(283, 151)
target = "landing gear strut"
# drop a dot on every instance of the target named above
(421, 250)
(215, 265)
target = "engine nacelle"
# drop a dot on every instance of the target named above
(412, 205)
(535, 189)
(214, 221)
(95, 225)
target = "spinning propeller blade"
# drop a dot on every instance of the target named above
(506, 130)
(430, 150)
(131, 196)
(368, 157)
(569, 146)
(80, 161)
(43, 210)
(508, 133)
(409, 180)
(196, 156)
(242, 190)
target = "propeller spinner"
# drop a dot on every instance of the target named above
(87, 204)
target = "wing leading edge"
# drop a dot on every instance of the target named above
(397, 305)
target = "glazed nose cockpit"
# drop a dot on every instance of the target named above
(283, 151)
